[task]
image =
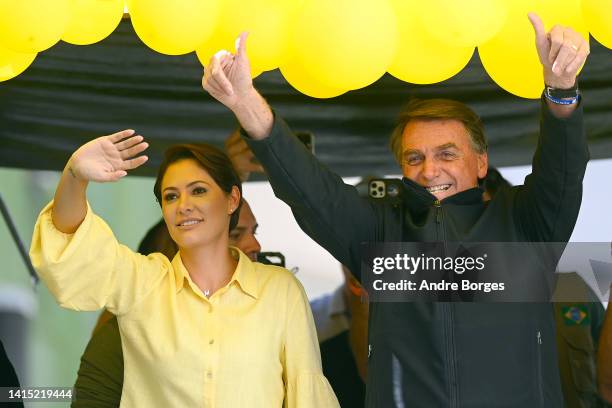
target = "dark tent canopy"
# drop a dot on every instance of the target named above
(72, 94)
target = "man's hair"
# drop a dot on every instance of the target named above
(214, 161)
(438, 109)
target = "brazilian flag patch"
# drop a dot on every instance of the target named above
(576, 315)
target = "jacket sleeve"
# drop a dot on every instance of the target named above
(89, 269)
(328, 210)
(306, 386)
(547, 205)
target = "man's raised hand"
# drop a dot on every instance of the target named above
(228, 77)
(108, 158)
(562, 51)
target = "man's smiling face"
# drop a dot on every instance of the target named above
(439, 155)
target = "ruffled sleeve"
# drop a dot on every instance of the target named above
(89, 269)
(306, 386)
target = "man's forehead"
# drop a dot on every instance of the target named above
(434, 134)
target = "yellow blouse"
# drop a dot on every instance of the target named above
(252, 344)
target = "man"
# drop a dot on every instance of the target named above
(243, 236)
(439, 354)
(604, 355)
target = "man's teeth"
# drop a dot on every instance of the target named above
(192, 222)
(441, 187)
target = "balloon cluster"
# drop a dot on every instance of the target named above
(323, 48)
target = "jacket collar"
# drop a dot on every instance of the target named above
(417, 197)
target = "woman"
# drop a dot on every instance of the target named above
(209, 328)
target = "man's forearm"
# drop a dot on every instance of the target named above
(254, 115)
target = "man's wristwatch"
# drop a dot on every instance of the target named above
(563, 96)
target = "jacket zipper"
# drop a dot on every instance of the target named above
(539, 368)
(448, 313)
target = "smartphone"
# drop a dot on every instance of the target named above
(386, 189)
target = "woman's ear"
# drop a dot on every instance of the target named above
(234, 199)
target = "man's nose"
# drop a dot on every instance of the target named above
(430, 169)
(252, 244)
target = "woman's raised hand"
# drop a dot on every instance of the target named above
(108, 158)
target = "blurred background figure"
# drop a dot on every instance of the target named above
(341, 318)
(604, 356)
(8, 376)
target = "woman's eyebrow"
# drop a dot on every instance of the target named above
(188, 185)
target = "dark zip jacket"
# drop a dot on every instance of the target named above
(426, 354)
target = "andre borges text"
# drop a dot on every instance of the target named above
(402, 264)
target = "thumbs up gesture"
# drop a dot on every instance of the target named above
(562, 51)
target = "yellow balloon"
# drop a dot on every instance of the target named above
(13, 63)
(343, 44)
(266, 21)
(465, 23)
(300, 80)
(598, 17)
(31, 26)
(173, 27)
(223, 41)
(511, 59)
(92, 20)
(421, 58)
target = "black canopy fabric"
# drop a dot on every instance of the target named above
(72, 94)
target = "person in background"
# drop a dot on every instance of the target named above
(341, 318)
(210, 327)
(604, 355)
(8, 376)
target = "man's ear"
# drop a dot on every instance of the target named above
(483, 165)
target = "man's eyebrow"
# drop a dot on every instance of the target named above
(188, 185)
(411, 151)
(449, 145)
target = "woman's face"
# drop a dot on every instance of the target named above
(196, 210)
